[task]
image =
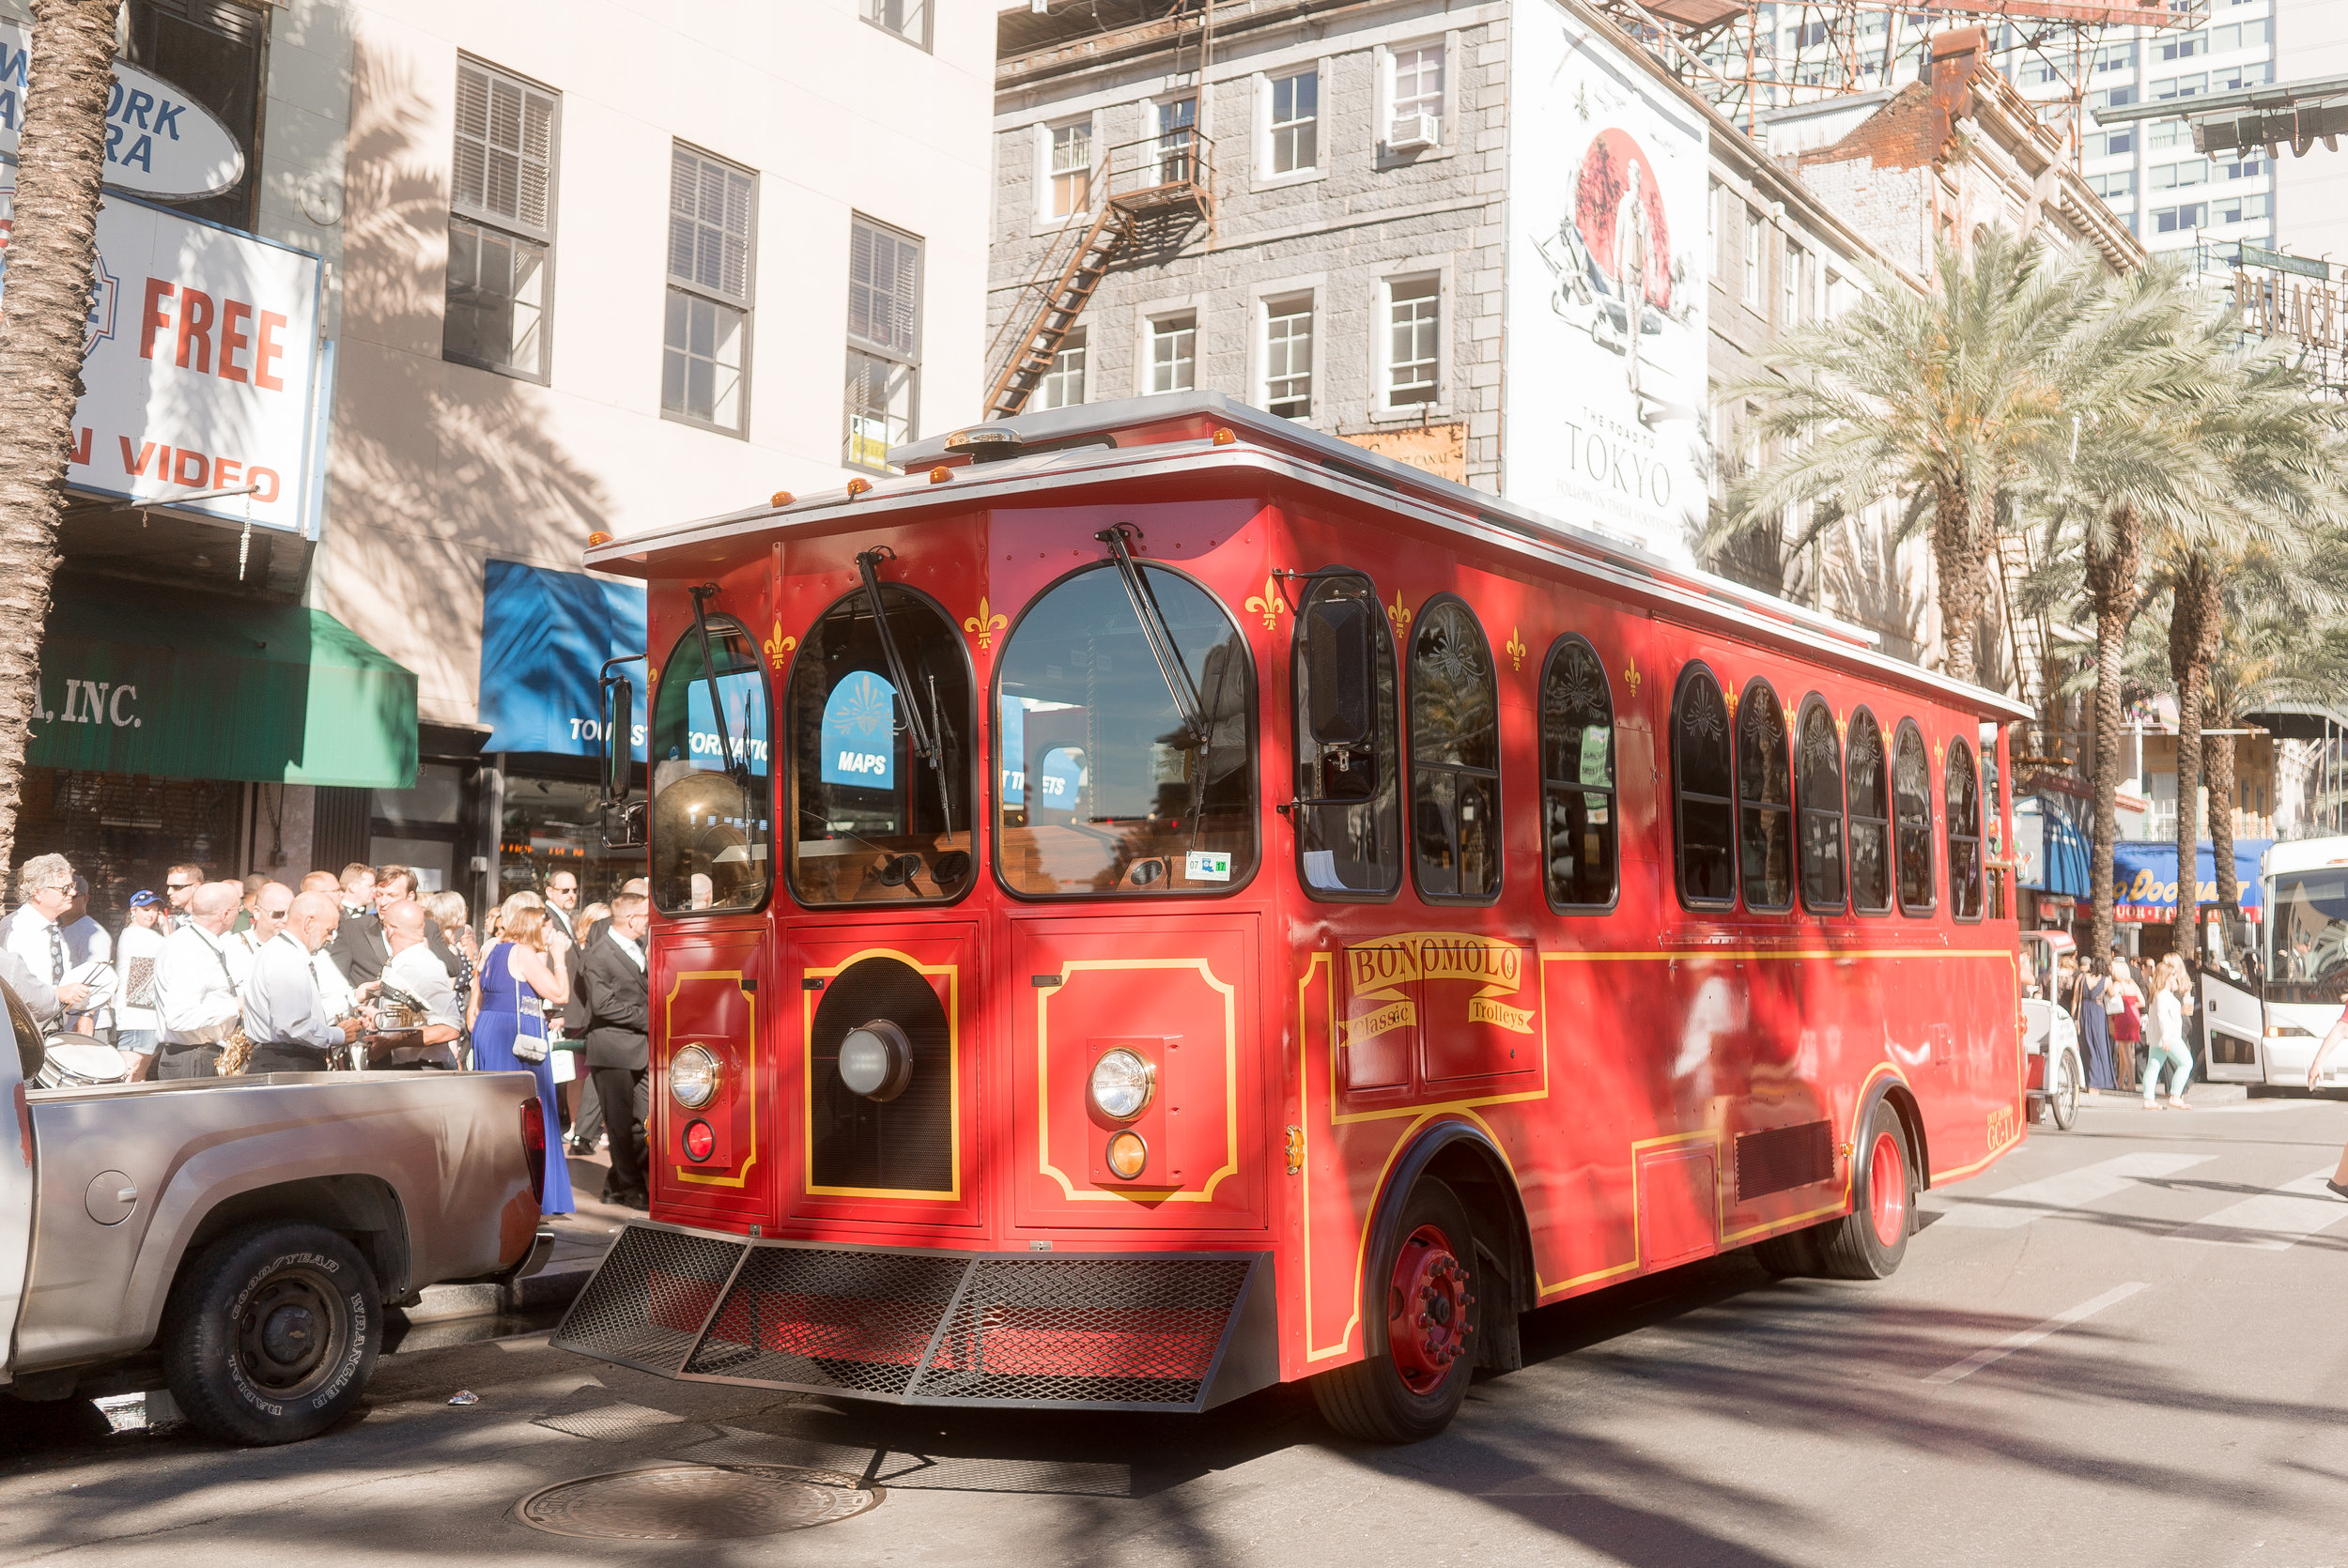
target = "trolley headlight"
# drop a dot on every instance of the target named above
(693, 1077)
(876, 1060)
(1122, 1084)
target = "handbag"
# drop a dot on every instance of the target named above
(528, 1049)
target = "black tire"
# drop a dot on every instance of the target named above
(1855, 1247)
(1791, 1257)
(1375, 1399)
(271, 1333)
(2062, 1090)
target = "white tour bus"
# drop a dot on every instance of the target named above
(2269, 995)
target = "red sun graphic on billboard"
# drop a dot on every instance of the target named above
(1608, 170)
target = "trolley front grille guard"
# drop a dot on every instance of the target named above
(1118, 1332)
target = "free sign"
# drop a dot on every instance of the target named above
(159, 142)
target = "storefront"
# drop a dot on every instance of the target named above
(2144, 888)
(165, 718)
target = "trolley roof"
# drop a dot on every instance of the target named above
(1146, 438)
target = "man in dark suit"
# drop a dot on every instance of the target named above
(361, 949)
(617, 992)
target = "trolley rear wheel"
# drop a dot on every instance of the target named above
(1412, 1382)
(1869, 1242)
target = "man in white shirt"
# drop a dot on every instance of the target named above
(136, 952)
(195, 983)
(45, 890)
(91, 953)
(288, 1025)
(270, 907)
(415, 971)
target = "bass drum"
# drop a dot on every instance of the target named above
(76, 1064)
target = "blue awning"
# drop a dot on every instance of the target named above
(2054, 851)
(545, 635)
(2144, 878)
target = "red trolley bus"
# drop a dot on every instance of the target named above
(1156, 901)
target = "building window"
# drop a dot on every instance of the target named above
(1064, 384)
(2181, 220)
(1870, 817)
(2181, 86)
(2193, 171)
(1072, 168)
(1703, 812)
(703, 364)
(1789, 311)
(2180, 48)
(1178, 141)
(909, 19)
(884, 340)
(2164, 134)
(1576, 779)
(1174, 352)
(1912, 818)
(1414, 87)
(212, 51)
(1455, 756)
(2111, 144)
(1764, 802)
(1287, 356)
(2120, 182)
(2115, 56)
(1753, 258)
(1414, 319)
(1295, 122)
(1964, 803)
(500, 239)
(1818, 791)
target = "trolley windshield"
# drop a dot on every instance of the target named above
(711, 826)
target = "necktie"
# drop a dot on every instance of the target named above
(57, 955)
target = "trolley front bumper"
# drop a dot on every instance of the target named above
(1180, 1331)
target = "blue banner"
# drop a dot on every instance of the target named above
(545, 635)
(2144, 878)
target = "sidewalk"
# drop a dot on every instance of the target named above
(580, 1240)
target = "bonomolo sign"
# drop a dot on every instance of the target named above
(159, 141)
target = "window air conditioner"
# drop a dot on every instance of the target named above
(1414, 131)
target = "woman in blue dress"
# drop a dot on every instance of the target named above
(521, 974)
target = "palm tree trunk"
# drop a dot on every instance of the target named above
(2113, 587)
(2217, 761)
(2192, 645)
(1961, 557)
(52, 246)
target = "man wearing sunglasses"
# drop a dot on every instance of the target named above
(270, 908)
(179, 886)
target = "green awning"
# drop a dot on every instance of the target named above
(179, 686)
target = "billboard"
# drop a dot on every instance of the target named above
(1603, 363)
(201, 367)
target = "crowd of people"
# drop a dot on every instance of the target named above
(359, 970)
(2132, 1025)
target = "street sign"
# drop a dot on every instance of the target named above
(159, 143)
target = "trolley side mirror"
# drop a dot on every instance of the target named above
(1340, 663)
(619, 750)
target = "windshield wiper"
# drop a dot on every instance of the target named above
(1159, 636)
(737, 766)
(917, 723)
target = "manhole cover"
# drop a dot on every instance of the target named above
(696, 1503)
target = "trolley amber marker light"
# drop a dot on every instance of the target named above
(940, 474)
(693, 1077)
(780, 498)
(1127, 1154)
(598, 538)
(857, 486)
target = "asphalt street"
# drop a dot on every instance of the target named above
(2123, 1344)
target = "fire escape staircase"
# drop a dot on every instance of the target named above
(2031, 640)
(1137, 186)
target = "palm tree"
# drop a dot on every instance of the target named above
(52, 251)
(1947, 399)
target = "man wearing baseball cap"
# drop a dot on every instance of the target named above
(135, 952)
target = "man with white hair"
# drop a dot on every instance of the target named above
(35, 933)
(196, 981)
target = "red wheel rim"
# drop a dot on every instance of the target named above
(1426, 1309)
(1886, 1189)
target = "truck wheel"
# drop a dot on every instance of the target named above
(271, 1333)
(1869, 1242)
(1413, 1381)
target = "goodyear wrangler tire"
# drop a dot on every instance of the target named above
(271, 1333)
(1421, 1350)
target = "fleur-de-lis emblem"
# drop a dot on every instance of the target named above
(1789, 717)
(984, 625)
(1630, 675)
(1842, 728)
(1398, 613)
(1515, 646)
(779, 646)
(1731, 699)
(1268, 603)
(1938, 747)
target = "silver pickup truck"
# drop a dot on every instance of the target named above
(237, 1240)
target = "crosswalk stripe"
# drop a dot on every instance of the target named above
(2028, 1337)
(2271, 1222)
(2018, 1206)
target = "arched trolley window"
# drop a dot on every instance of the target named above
(1123, 739)
(1348, 809)
(1912, 818)
(1579, 823)
(878, 716)
(712, 827)
(1455, 756)
(1870, 783)
(1963, 796)
(1704, 805)
(1764, 802)
(1818, 792)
